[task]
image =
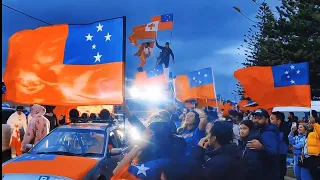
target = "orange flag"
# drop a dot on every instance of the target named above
(153, 76)
(283, 85)
(206, 102)
(196, 84)
(165, 21)
(15, 141)
(139, 32)
(67, 64)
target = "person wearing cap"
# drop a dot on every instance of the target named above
(223, 163)
(269, 146)
(18, 123)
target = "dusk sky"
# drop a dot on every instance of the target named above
(206, 33)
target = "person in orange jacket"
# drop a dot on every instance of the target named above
(313, 146)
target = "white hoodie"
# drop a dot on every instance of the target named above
(16, 119)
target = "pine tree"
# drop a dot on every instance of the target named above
(260, 41)
(299, 25)
(293, 38)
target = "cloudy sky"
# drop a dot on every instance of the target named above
(206, 33)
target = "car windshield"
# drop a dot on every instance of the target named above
(68, 141)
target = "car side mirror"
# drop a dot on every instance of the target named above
(29, 146)
(115, 151)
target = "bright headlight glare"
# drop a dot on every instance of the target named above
(134, 134)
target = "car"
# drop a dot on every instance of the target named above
(74, 151)
(6, 133)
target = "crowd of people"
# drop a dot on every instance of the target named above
(203, 143)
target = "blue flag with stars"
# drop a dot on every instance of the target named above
(200, 78)
(291, 74)
(157, 71)
(149, 170)
(97, 43)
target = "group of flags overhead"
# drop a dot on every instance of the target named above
(84, 65)
(149, 31)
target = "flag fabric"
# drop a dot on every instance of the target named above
(193, 85)
(149, 170)
(153, 26)
(271, 86)
(154, 76)
(144, 52)
(207, 102)
(139, 32)
(15, 141)
(190, 103)
(165, 21)
(67, 64)
(4, 90)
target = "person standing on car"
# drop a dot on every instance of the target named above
(38, 127)
(18, 123)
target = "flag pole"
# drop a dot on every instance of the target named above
(214, 87)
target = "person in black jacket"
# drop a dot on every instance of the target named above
(251, 157)
(224, 162)
(164, 55)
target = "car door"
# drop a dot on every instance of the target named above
(6, 130)
(109, 163)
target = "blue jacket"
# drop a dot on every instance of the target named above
(252, 158)
(223, 163)
(283, 146)
(270, 153)
(297, 142)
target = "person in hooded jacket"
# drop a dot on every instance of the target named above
(269, 145)
(38, 127)
(51, 117)
(251, 157)
(224, 162)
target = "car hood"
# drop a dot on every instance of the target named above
(73, 167)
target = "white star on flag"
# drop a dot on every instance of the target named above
(142, 170)
(97, 57)
(89, 37)
(99, 27)
(292, 66)
(288, 77)
(199, 82)
(108, 36)
(292, 82)
(298, 72)
(194, 78)
(287, 72)
(205, 75)
(199, 73)
(94, 46)
(153, 26)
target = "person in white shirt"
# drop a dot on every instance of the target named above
(18, 119)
